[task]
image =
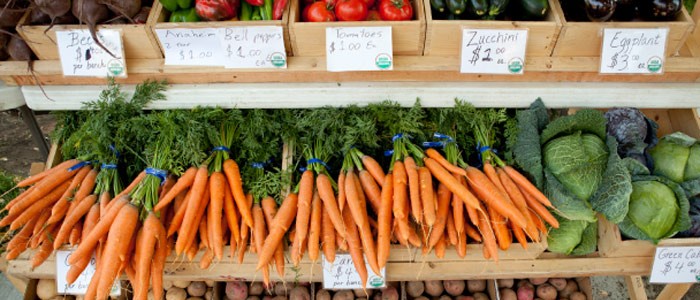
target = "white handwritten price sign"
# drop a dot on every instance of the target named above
(359, 49)
(191, 46)
(253, 47)
(79, 287)
(82, 56)
(342, 274)
(633, 51)
(676, 265)
(493, 51)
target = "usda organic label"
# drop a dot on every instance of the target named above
(359, 49)
(491, 51)
(252, 47)
(342, 275)
(633, 51)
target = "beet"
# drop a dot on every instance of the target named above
(19, 50)
(38, 17)
(127, 8)
(68, 18)
(9, 17)
(142, 16)
(91, 12)
(54, 8)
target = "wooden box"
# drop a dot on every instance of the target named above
(309, 38)
(611, 243)
(443, 37)
(161, 16)
(138, 39)
(585, 38)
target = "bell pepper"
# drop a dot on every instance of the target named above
(246, 11)
(217, 10)
(184, 15)
(278, 9)
(170, 5)
(184, 3)
(256, 2)
(266, 12)
(256, 13)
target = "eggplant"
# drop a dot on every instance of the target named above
(497, 7)
(529, 10)
(574, 10)
(626, 10)
(660, 10)
(600, 10)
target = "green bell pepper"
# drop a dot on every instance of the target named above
(184, 15)
(185, 3)
(170, 5)
(246, 11)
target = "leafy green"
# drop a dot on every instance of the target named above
(589, 240)
(567, 205)
(569, 237)
(612, 196)
(586, 120)
(577, 161)
(527, 150)
(677, 157)
(260, 147)
(402, 126)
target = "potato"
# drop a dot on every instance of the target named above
(167, 284)
(209, 295)
(210, 283)
(434, 288)
(538, 281)
(464, 298)
(415, 288)
(390, 293)
(175, 293)
(547, 292)
(445, 297)
(344, 295)
(577, 296)
(421, 298)
(524, 283)
(197, 289)
(253, 298)
(280, 289)
(256, 289)
(195, 298)
(359, 293)
(267, 297)
(454, 287)
(363, 298)
(569, 289)
(323, 294)
(558, 283)
(506, 283)
(236, 290)
(279, 298)
(299, 293)
(46, 289)
(526, 292)
(181, 284)
(508, 294)
(474, 286)
(481, 296)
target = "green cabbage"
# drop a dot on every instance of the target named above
(677, 157)
(578, 162)
(692, 169)
(573, 237)
(653, 208)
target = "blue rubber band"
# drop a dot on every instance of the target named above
(441, 136)
(221, 148)
(314, 160)
(79, 165)
(258, 165)
(396, 137)
(108, 166)
(388, 152)
(483, 149)
(161, 174)
(433, 144)
(114, 149)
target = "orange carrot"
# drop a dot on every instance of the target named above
(490, 194)
(358, 209)
(197, 199)
(443, 198)
(75, 233)
(184, 182)
(204, 233)
(245, 237)
(283, 220)
(132, 185)
(217, 181)
(458, 214)
(23, 236)
(117, 247)
(462, 244)
(472, 232)
(45, 174)
(144, 252)
(101, 229)
(45, 250)
(541, 210)
(538, 222)
(355, 246)
(40, 222)
(440, 247)
(374, 169)
(85, 189)
(519, 200)
(176, 222)
(471, 211)
(269, 207)
(325, 191)
(315, 227)
(414, 189)
(43, 188)
(58, 211)
(158, 264)
(445, 177)
(260, 233)
(526, 186)
(426, 195)
(341, 193)
(384, 221)
(231, 214)
(37, 207)
(490, 244)
(453, 236)
(519, 235)
(80, 210)
(371, 189)
(400, 205)
(306, 191)
(198, 218)
(233, 174)
(434, 154)
(207, 258)
(500, 228)
(328, 237)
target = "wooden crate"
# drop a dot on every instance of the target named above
(585, 38)
(610, 242)
(309, 38)
(138, 39)
(162, 15)
(443, 37)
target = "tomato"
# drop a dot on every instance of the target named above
(351, 10)
(369, 3)
(373, 15)
(319, 12)
(395, 10)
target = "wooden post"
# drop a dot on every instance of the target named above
(674, 291)
(635, 288)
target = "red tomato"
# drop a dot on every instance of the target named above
(319, 12)
(373, 15)
(395, 10)
(351, 10)
(369, 3)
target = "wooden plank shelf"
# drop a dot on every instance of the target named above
(313, 69)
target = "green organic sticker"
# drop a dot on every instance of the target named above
(278, 59)
(383, 61)
(515, 65)
(654, 64)
(115, 67)
(376, 281)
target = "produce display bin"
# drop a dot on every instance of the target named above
(161, 16)
(584, 285)
(309, 38)
(611, 242)
(585, 38)
(138, 39)
(443, 37)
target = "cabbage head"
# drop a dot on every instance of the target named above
(677, 157)
(578, 162)
(573, 237)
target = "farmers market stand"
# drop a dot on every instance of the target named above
(671, 99)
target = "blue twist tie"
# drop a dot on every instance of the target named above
(441, 136)
(396, 137)
(79, 165)
(433, 144)
(161, 174)
(108, 166)
(314, 160)
(111, 147)
(258, 165)
(388, 152)
(221, 148)
(483, 149)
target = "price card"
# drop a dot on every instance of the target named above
(79, 287)
(253, 47)
(633, 51)
(82, 56)
(359, 49)
(191, 46)
(342, 275)
(676, 265)
(493, 51)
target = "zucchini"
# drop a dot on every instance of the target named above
(477, 8)
(456, 7)
(600, 10)
(531, 10)
(438, 5)
(497, 7)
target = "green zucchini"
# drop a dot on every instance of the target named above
(438, 5)
(478, 8)
(456, 7)
(497, 7)
(531, 10)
